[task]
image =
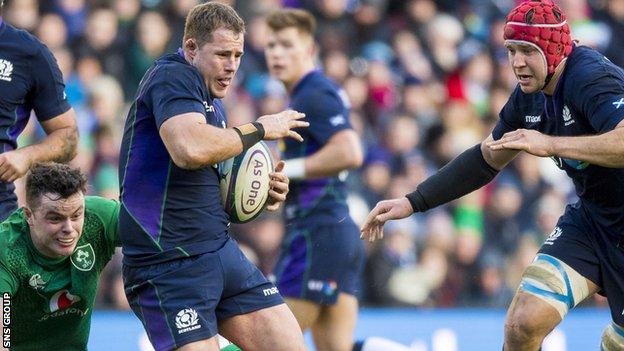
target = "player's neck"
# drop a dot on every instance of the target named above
(549, 89)
(290, 86)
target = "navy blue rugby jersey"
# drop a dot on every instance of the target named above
(326, 107)
(167, 212)
(29, 80)
(588, 100)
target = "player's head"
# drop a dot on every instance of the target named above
(537, 36)
(290, 47)
(55, 208)
(213, 43)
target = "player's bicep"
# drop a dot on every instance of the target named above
(178, 133)
(498, 159)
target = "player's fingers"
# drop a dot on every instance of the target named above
(273, 207)
(5, 172)
(280, 187)
(277, 196)
(295, 135)
(298, 124)
(292, 114)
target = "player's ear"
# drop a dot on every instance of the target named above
(190, 46)
(28, 215)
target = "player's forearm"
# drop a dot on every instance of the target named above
(605, 150)
(205, 147)
(332, 159)
(59, 146)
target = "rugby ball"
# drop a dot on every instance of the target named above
(245, 183)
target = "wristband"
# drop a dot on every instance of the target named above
(250, 133)
(294, 168)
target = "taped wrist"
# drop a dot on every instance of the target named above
(466, 173)
(250, 133)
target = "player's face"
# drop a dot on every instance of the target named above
(289, 54)
(218, 60)
(528, 66)
(56, 224)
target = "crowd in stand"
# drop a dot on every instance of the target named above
(426, 80)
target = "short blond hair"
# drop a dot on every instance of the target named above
(204, 19)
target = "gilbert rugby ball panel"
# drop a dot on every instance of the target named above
(245, 183)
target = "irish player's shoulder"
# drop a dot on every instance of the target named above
(102, 208)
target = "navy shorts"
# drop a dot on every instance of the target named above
(181, 301)
(320, 260)
(593, 251)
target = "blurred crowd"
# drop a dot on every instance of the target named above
(426, 80)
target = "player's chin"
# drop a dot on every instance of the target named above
(64, 250)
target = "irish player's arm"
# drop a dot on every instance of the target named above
(59, 145)
(342, 151)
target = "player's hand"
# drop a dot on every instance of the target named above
(13, 165)
(528, 140)
(281, 125)
(383, 212)
(278, 188)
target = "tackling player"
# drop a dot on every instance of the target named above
(574, 97)
(322, 258)
(52, 252)
(184, 277)
(30, 80)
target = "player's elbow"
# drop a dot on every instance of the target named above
(186, 157)
(355, 159)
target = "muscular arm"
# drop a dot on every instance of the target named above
(59, 145)
(193, 144)
(343, 151)
(605, 150)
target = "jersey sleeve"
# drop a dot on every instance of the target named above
(48, 98)
(108, 211)
(600, 97)
(174, 92)
(508, 119)
(8, 283)
(327, 113)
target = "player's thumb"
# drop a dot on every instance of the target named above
(280, 166)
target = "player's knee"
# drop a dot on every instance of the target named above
(612, 338)
(522, 325)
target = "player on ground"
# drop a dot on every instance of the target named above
(322, 257)
(30, 80)
(51, 254)
(185, 278)
(568, 106)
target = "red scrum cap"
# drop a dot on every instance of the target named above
(542, 24)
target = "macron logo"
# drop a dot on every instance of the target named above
(532, 119)
(270, 291)
(6, 70)
(337, 120)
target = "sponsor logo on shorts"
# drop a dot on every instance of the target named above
(270, 291)
(553, 236)
(328, 288)
(187, 320)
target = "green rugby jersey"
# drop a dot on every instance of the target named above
(52, 300)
